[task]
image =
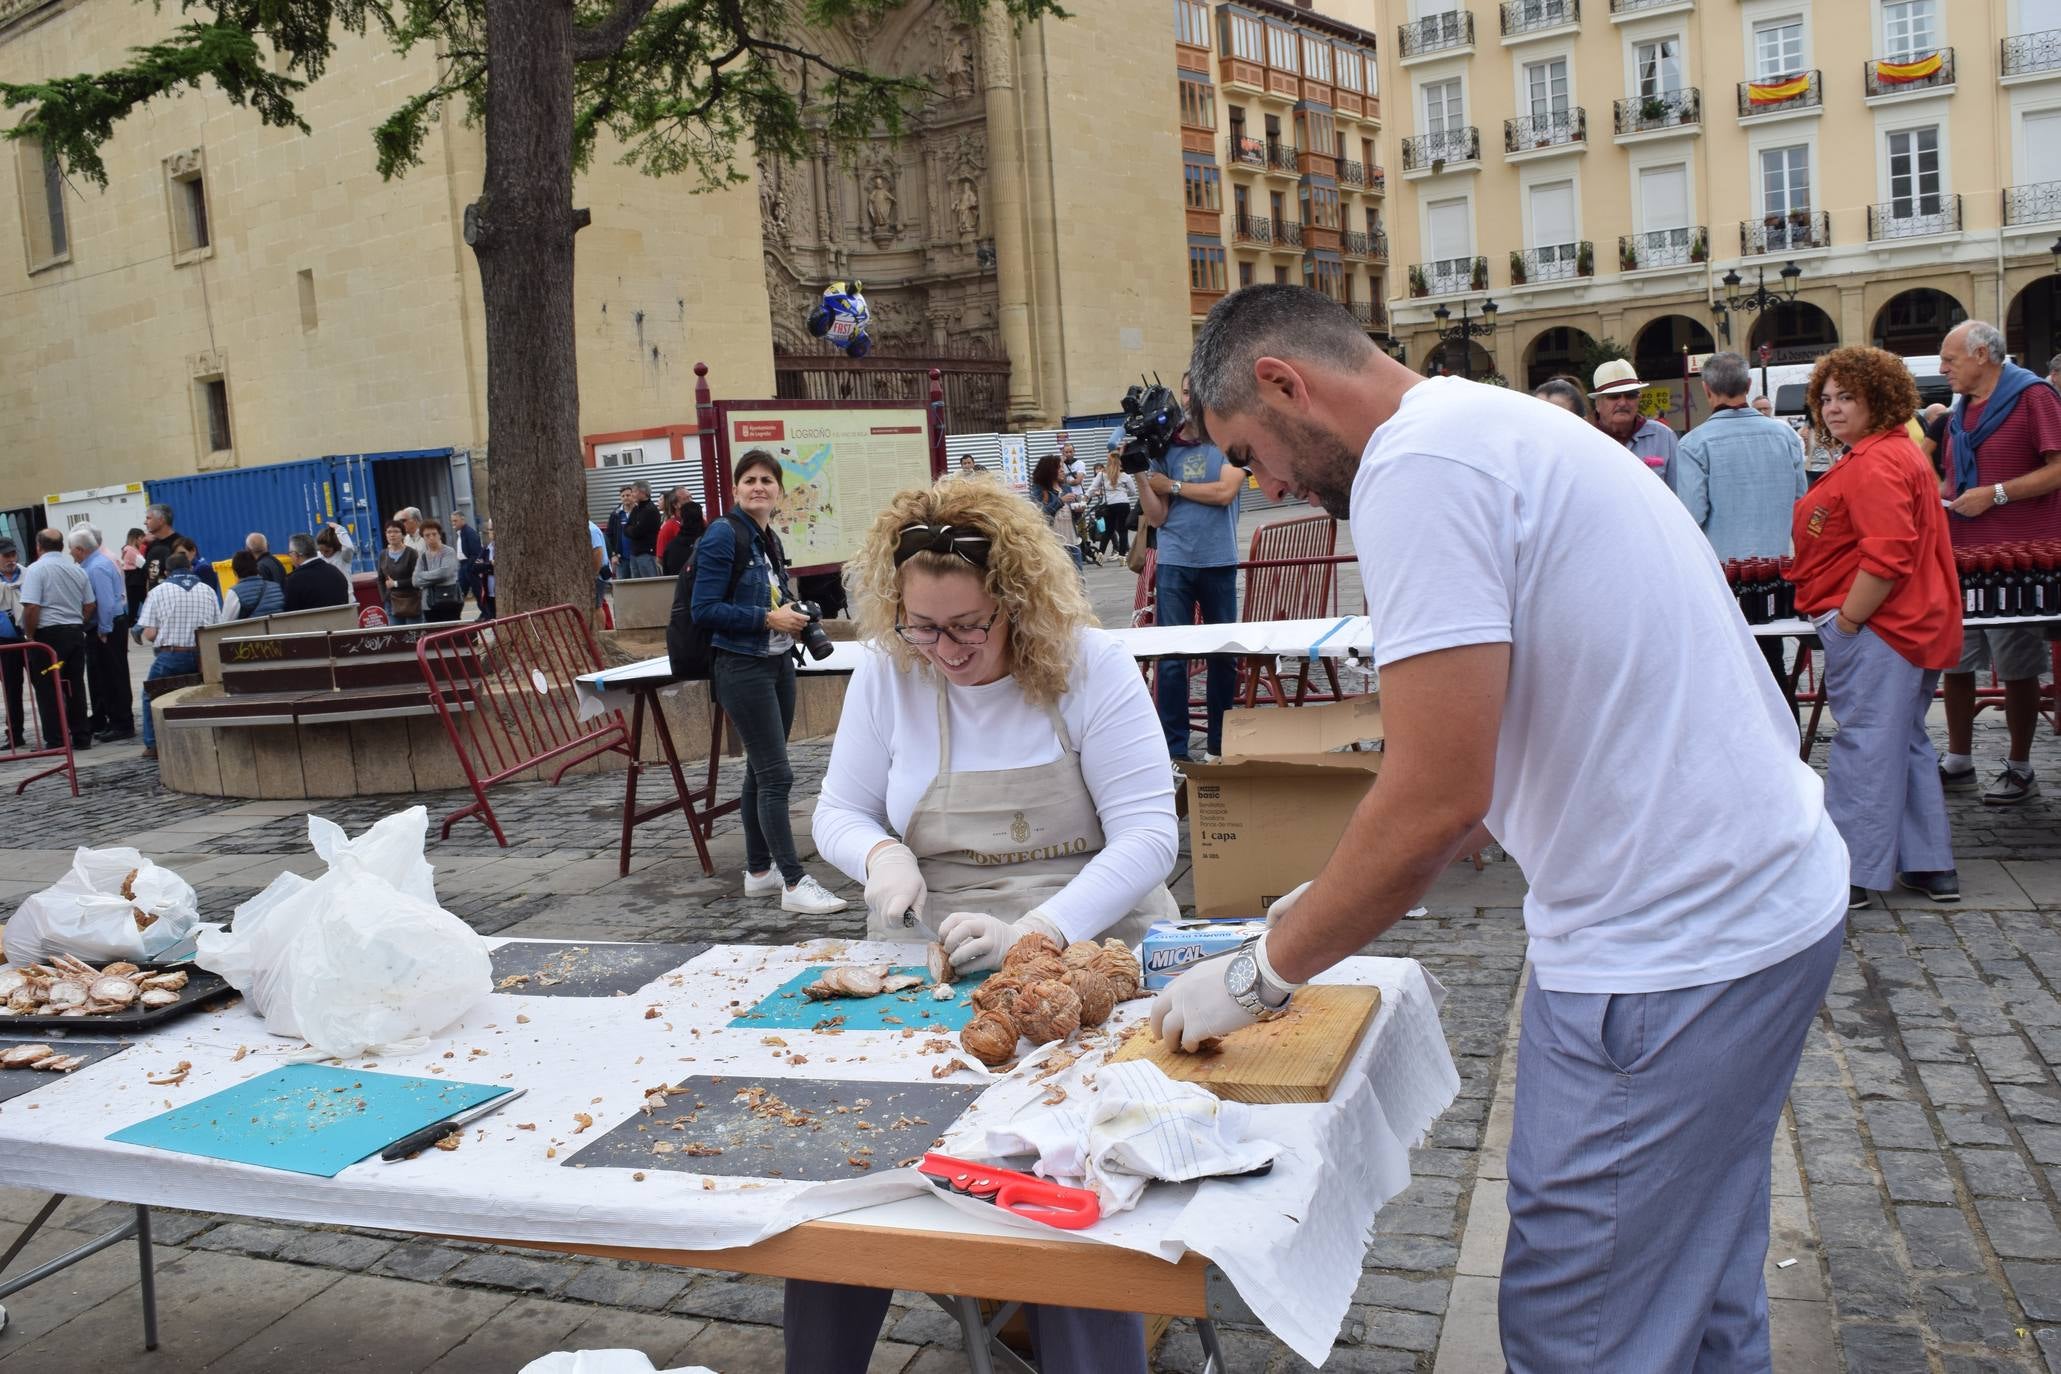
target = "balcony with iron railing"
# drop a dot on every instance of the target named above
(1377, 178)
(1449, 276)
(1369, 314)
(1552, 262)
(1893, 76)
(1252, 229)
(1542, 133)
(1663, 248)
(1246, 152)
(1288, 233)
(2031, 54)
(1284, 157)
(2038, 203)
(1436, 33)
(1668, 112)
(1525, 17)
(1755, 100)
(1427, 152)
(1785, 231)
(1363, 243)
(1631, 7)
(1914, 217)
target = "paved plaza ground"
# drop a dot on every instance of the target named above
(1916, 1171)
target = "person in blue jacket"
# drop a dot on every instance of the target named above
(743, 599)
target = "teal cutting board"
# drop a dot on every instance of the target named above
(785, 1008)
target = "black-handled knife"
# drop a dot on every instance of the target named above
(418, 1141)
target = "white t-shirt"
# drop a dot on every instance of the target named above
(886, 754)
(1647, 778)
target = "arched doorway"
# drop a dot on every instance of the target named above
(1797, 332)
(2032, 326)
(1658, 348)
(1914, 323)
(1557, 352)
(1450, 358)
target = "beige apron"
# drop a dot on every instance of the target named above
(1006, 841)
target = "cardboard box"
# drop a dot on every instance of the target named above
(1267, 818)
(1171, 946)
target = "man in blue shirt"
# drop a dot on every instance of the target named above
(12, 666)
(107, 638)
(1191, 495)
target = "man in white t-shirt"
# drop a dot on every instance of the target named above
(1563, 668)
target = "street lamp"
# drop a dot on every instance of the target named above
(1465, 331)
(1760, 298)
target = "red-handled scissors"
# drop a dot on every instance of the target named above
(1039, 1199)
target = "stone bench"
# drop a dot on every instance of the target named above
(208, 642)
(328, 677)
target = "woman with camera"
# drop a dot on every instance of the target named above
(998, 772)
(743, 599)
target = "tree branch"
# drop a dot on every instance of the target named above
(606, 38)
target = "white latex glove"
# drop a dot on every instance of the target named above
(975, 940)
(1280, 905)
(895, 889)
(1197, 1006)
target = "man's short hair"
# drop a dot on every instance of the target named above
(1271, 319)
(301, 546)
(160, 510)
(1727, 375)
(1985, 336)
(185, 541)
(2054, 364)
(48, 541)
(257, 543)
(82, 537)
(178, 561)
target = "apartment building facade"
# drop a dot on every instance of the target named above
(1676, 176)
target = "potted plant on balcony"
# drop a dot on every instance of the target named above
(1419, 286)
(1479, 280)
(1627, 257)
(1653, 110)
(1699, 246)
(1517, 277)
(1584, 261)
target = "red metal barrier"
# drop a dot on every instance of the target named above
(504, 689)
(38, 663)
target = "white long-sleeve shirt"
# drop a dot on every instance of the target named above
(886, 754)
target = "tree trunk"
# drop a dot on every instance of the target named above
(521, 232)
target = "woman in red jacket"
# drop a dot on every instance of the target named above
(1875, 572)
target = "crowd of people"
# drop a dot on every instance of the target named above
(87, 602)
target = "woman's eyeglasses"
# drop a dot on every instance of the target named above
(966, 637)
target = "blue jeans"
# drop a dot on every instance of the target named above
(165, 663)
(757, 693)
(1183, 592)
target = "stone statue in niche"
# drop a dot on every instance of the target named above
(960, 74)
(880, 205)
(966, 208)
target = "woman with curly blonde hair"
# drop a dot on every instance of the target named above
(998, 763)
(1875, 571)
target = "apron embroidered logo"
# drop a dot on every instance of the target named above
(1019, 828)
(1078, 845)
(1816, 526)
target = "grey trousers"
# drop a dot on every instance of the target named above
(1639, 1175)
(830, 1328)
(1882, 776)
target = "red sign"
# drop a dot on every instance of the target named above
(760, 431)
(371, 617)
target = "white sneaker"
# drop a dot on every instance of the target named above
(811, 897)
(762, 885)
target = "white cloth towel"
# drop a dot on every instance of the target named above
(603, 1362)
(1139, 1125)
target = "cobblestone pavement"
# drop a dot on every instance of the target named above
(1925, 1117)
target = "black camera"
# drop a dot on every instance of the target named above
(812, 636)
(1152, 417)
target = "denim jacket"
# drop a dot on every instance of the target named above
(738, 625)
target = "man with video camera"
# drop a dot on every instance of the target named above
(1189, 491)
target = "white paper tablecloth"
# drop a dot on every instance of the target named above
(1291, 1242)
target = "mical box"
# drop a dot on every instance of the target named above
(1171, 946)
(1267, 818)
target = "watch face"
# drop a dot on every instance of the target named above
(1242, 976)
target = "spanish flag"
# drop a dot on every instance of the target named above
(1896, 72)
(1775, 92)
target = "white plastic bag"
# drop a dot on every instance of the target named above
(602, 1362)
(85, 914)
(361, 959)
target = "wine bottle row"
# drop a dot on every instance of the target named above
(2003, 580)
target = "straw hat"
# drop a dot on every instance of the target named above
(1616, 378)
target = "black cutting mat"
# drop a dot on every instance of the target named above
(568, 968)
(800, 1130)
(15, 1082)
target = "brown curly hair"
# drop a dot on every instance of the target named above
(1875, 375)
(1029, 574)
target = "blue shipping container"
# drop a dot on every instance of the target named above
(218, 509)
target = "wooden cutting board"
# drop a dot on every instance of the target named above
(1298, 1057)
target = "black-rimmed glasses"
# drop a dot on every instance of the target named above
(968, 637)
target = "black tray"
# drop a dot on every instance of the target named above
(201, 987)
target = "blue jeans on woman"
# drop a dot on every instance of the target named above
(757, 693)
(165, 663)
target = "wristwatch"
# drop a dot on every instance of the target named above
(1175, 490)
(1997, 492)
(1249, 985)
